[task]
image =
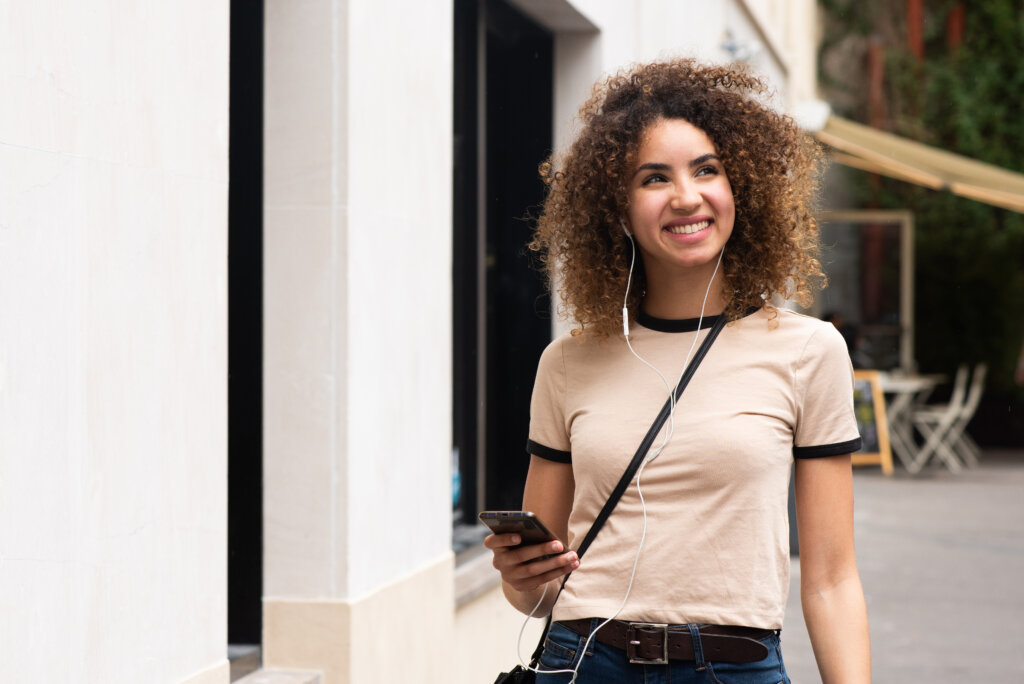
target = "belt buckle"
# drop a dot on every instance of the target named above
(632, 642)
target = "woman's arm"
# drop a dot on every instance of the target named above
(548, 494)
(830, 590)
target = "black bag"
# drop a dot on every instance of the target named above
(522, 675)
(518, 675)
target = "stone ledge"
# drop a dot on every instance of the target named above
(474, 574)
(280, 677)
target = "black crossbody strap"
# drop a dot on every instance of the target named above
(645, 445)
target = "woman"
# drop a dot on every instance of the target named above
(683, 164)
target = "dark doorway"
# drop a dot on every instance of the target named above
(245, 333)
(519, 79)
(503, 124)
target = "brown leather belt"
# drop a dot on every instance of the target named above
(656, 644)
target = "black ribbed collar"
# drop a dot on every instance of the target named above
(681, 325)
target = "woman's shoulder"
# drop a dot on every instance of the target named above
(576, 342)
(575, 346)
(821, 338)
(793, 329)
(804, 322)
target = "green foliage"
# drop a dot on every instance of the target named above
(969, 255)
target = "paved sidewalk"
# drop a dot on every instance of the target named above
(941, 557)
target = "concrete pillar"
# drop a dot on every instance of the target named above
(357, 335)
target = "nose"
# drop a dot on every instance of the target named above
(687, 197)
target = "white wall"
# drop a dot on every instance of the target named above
(779, 38)
(358, 292)
(113, 218)
(357, 331)
(400, 328)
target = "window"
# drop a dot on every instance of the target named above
(502, 132)
(868, 257)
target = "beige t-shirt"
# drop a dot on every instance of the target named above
(717, 542)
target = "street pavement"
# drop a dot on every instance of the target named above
(941, 558)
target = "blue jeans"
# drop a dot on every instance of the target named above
(604, 663)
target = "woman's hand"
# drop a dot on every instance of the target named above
(525, 568)
(525, 573)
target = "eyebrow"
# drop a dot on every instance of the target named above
(704, 158)
(657, 166)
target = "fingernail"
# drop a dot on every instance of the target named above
(515, 539)
(556, 547)
(575, 563)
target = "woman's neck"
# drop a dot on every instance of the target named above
(682, 296)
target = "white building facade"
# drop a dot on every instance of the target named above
(113, 344)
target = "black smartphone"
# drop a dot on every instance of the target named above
(524, 523)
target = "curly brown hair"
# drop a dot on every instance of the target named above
(772, 167)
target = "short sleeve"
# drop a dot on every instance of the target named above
(823, 384)
(549, 437)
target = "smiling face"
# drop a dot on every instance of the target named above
(681, 208)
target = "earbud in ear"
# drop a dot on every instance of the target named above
(622, 222)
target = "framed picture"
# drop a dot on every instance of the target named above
(869, 407)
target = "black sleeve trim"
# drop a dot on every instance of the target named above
(547, 453)
(827, 449)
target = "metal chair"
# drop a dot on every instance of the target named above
(962, 443)
(942, 425)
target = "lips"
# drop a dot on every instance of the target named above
(688, 228)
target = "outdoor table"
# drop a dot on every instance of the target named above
(902, 389)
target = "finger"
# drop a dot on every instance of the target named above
(538, 580)
(523, 571)
(526, 554)
(501, 541)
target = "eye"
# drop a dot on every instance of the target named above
(653, 178)
(707, 170)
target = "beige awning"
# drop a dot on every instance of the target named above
(869, 149)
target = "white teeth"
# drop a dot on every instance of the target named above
(692, 228)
